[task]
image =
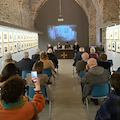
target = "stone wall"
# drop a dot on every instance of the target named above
(16, 12)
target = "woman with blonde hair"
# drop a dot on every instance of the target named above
(93, 54)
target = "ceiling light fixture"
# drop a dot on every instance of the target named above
(60, 18)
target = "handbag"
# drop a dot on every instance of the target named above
(35, 117)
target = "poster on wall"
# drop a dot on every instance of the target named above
(11, 48)
(15, 37)
(19, 47)
(22, 36)
(22, 46)
(113, 45)
(1, 50)
(111, 35)
(19, 37)
(10, 37)
(5, 47)
(116, 34)
(109, 45)
(15, 47)
(118, 46)
(1, 37)
(5, 37)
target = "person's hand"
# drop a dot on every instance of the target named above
(37, 84)
(87, 67)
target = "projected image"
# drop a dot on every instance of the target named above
(62, 32)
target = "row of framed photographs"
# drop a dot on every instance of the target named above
(114, 46)
(14, 37)
(113, 34)
(16, 47)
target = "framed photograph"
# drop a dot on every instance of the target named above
(19, 37)
(5, 48)
(5, 37)
(109, 45)
(22, 46)
(1, 50)
(116, 34)
(15, 37)
(22, 37)
(10, 35)
(1, 37)
(11, 48)
(111, 35)
(19, 47)
(107, 35)
(113, 45)
(15, 47)
(25, 47)
(118, 46)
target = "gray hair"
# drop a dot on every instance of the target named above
(81, 49)
(92, 50)
(8, 55)
(37, 51)
(92, 62)
(26, 54)
(85, 56)
(49, 50)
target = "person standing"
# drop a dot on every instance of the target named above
(49, 46)
(76, 47)
(59, 46)
(67, 45)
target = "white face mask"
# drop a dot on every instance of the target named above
(49, 45)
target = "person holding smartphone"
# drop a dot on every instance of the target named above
(12, 103)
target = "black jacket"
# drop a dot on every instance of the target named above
(76, 47)
(36, 57)
(25, 64)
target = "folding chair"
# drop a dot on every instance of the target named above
(24, 73)
(99, 91)
(31, 93)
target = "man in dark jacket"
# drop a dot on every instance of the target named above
(93, 75)
(36, 56)
(110, 109)
(26, 63)
(76, 47)
(78, 55)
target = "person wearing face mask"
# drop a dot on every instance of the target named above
(49, 46)
(59, 46)
(76, 47)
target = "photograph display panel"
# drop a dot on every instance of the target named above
(1, 50)
(15, 47)
(1, 37)
(10, 37)
(113, 45)
(111, 35)
(22, 46)
(118, 46)
(107, 35)
(5, 48)
(11, 48)
(15, 37)
(22, 37)
(109, 45)
(5, 36)
(116, 34)
(19, 37)
(19, 47)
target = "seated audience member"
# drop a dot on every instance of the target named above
(67, 45)
(36, 56)
(78, 55)
(8, 71)
(103, 61)
(12, 103)
(52, 57)
(93, 54)
(44, 80)
(81, 64)
(26, 63)
(93, 75)
(47, 63)
(8, 59)
(76, 47)
(59, 46)
(49, 46)
(109, 110)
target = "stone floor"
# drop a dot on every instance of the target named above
(67, 104)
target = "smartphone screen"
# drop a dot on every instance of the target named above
(34, 76)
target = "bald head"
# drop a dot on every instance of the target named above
(92, 62)
(85, 56)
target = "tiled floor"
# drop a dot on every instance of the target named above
(67, 104)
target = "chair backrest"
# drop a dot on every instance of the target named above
(31, 91)
(100, 90)
(118, 70)
(111, 62)
(80, 74)
(24, 73)
(47, 71)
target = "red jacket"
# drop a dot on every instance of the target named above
(26, 112)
